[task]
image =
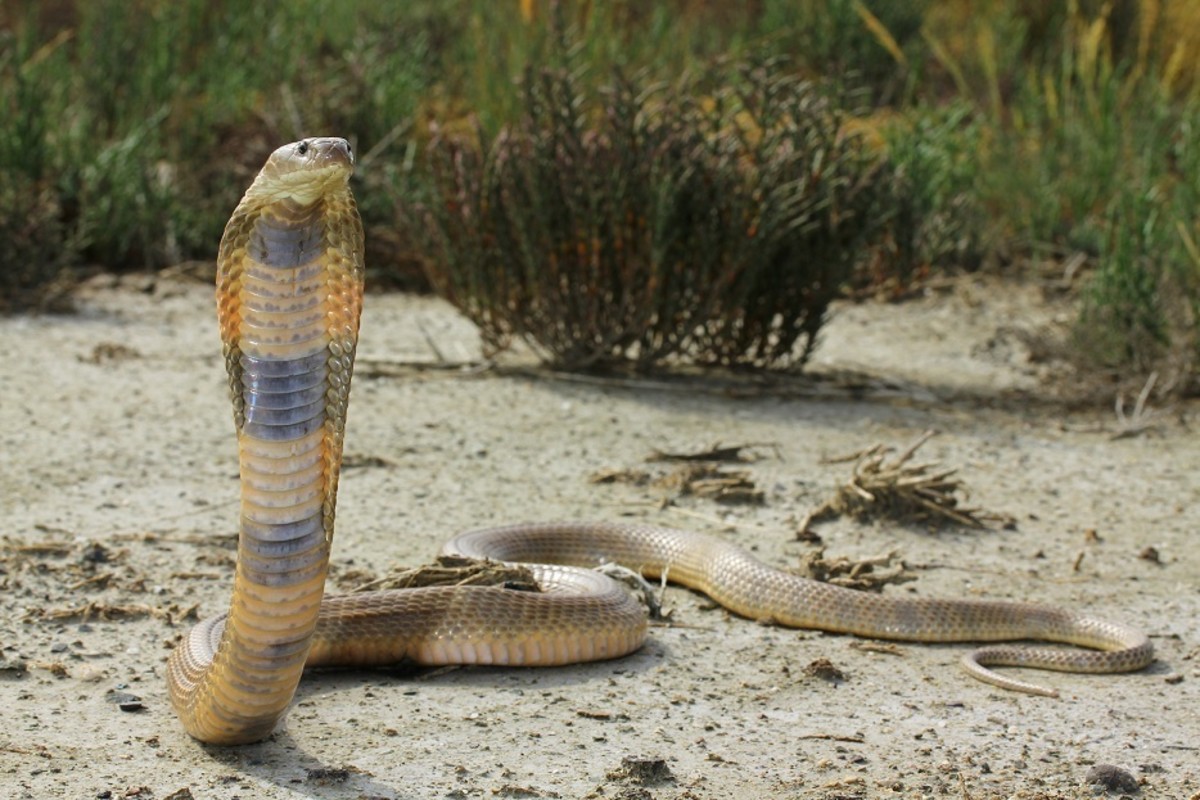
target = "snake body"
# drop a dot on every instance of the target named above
(289, 295)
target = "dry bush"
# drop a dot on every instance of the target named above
(701, 222)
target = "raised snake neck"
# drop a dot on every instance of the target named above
(289, 296)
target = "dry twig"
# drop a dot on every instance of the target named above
(1138, 421)
(739, 453)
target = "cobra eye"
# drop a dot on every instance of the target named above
(302, 148)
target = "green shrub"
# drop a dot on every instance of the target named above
(653, 221)
(1123, 320)
(1094, 155)
(1142, 307)
(876, 45)
(937, 218)
(33, 244)
(135, 126)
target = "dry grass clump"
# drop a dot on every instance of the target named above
(455, 571)
(865, 574)
(697, 473)
(900, 490)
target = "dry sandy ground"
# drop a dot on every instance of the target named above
(118, 498)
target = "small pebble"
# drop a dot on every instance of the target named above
(120, 697)
(95, 553)
(125, 701)
(1112, 779)
(91, 673)
(12, 669)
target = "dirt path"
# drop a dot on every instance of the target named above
(118, 491)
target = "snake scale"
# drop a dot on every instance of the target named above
(289, 295)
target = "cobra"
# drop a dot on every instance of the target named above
(289, 297)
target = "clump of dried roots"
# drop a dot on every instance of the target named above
(899, 490)
(866, 574)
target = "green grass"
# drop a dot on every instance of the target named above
(140, 123)
(1093, 156)
(1142, 308)
(1021, 130)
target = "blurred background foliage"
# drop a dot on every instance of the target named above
(1011, 133)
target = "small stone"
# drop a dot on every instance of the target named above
(91, 673)
(121, 697)
(824, 669)
(95, 553)
(1111, 779)
(125, 701)
(12, 669)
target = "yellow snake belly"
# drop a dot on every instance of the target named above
(289, 296)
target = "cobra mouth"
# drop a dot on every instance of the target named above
(332, 151)
(304, 177)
